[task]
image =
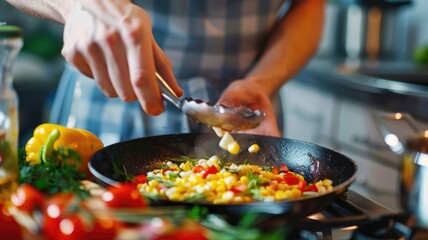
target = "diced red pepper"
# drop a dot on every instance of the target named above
(168, 169)
(283, 168)
(291, 179)
(238, 189)
(275, 170)
(211, 170)
(302, 185)
(311, 188)
(198, 169)
(273, 185)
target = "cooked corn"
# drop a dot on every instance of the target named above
(226, 184)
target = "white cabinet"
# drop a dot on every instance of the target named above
(308, 113)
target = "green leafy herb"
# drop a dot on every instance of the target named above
(267, 168)
(57, 174)
(162, 181)
(173, 175)
(253, 181)
(195, 197)
(119, 172)
(163, 167)
(183, 159)
(150, 195)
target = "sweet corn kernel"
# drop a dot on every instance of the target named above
(327, 182)
(233, 148)
(254, 148)
(288, 194)
(296, 192)
(244, 180)
(280, 195)
(153, 183)
(221, 188)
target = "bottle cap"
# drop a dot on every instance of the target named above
(10, 31)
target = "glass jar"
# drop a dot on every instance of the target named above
(10, 45)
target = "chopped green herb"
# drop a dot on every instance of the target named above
(162, 181)
(195, 197)
(119, 172)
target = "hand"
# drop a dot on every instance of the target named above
(243, 93)
(112, 42)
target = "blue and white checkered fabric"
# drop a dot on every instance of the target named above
(209, 42)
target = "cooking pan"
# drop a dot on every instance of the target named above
(314, 162)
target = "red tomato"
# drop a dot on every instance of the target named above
(124, 196)
(139, 179)
(27, 198)
(66, 217)
(198, 169)
(55, 209)
(211, 170)
(188, 232)
(9, 228)
(291, 179)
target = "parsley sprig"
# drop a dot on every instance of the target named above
(59, 174)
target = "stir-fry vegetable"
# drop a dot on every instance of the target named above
(213, 181)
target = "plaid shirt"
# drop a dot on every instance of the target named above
(210, 43)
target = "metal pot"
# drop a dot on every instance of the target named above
(402, 135)
(365, 29)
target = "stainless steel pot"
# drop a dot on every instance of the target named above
(402, 135)
(365, 29)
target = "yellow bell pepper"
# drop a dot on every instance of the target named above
(81, 141)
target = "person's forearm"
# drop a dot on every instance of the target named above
(54, 10)
(293, 43)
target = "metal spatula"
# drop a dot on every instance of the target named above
(214, 115)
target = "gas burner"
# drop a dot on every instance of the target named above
(353, 217)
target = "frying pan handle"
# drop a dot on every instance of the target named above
(396, 128)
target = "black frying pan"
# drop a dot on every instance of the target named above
(312, 161)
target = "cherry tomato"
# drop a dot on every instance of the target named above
(27, 198)
(139, 179)
(291, 179)
(56, 207)
(67, 217)
(211, 170)
(9, 228)
(124, 196)
(191, 231)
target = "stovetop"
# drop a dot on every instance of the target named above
(354, 217)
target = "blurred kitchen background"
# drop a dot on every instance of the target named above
(372, 60)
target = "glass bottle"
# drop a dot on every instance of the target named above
(10, 45)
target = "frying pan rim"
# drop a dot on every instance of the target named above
(335, 189)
